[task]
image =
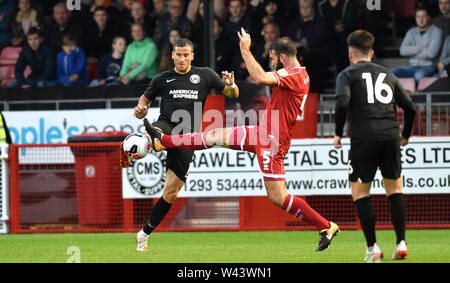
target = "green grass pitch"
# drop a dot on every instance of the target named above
(424, 246)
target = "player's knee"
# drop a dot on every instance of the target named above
(170, 196)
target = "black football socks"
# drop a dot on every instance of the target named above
(366, 217)
(398, 215)
(157, 214)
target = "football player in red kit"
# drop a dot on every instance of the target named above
(271, 139)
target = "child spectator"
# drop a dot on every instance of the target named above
(39, 57)
(71, 64)
(111, 64)
(140, 62)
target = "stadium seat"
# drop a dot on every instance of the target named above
(409, 84)
(10, 55)
(425, 82)
(92, 71)
(404, 9)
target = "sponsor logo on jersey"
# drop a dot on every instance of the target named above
(147, 176)
(184, 93)
(195, 79)
(282, 73)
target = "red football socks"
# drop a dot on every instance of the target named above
(194, 141)
(301, 209)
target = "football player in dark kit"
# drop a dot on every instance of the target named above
(180, 89)
(370, 93)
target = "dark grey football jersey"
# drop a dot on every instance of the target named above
(183, 93)
(370, 93)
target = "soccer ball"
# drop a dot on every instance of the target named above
(136, 145)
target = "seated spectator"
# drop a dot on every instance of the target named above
(223, 47)
(442, 21)
(111, 64)
(62, 24)
(174, 19)
(6, 6)
(166, 61)
(193, 8)
(444, 61)
(24, 17)
(71, 64)
(159, 9)
(99, 36)
(273, 12)
(341, 18)
(312, 38)
(271, 33)
(236, 20)
(421, 44)
(140, 63)
(139, 16)
(125, 9)
(39, 57)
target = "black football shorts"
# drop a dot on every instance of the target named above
(178, 159)
(366, 157)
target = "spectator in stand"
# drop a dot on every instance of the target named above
(174, 19)
(312, 38)
(197, 30)
(71, 64)
(220, 9)
(262, 48)
(236, 20)
(442, 21)
(25, 15)
(273, 12)
(99, 36)
(125, 10)
(141, 58)
(6, 7)
(421, 44)
(166, 61)
(341, 18)
(61, 25)
(223, 47)
(139, 16)
(159, 9)
(444, 61)
(111, 64)
(39, 57)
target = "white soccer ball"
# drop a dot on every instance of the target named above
(136, 145)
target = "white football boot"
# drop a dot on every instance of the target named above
(141, 239)
(400, 252)
(373, 254)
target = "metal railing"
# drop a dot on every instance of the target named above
(432, 114)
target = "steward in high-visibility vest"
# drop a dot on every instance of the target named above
(4, 132)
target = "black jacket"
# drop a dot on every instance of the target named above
(42, 63)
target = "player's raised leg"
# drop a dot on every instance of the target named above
(398, 215)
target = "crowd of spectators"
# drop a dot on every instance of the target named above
(131, 40)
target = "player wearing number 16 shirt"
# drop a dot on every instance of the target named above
(369, 93)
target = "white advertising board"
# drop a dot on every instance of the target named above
(313, 167)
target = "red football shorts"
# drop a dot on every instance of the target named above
(268, 152)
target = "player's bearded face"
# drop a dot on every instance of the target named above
(275, 59)
(182, 58)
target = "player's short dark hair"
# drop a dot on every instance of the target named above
(361, 40)
(183, 42)
(285, 46)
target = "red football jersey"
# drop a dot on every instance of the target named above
(286, 103)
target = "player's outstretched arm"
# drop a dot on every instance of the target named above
(231, 90)
(140, 111)
(255, 70)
